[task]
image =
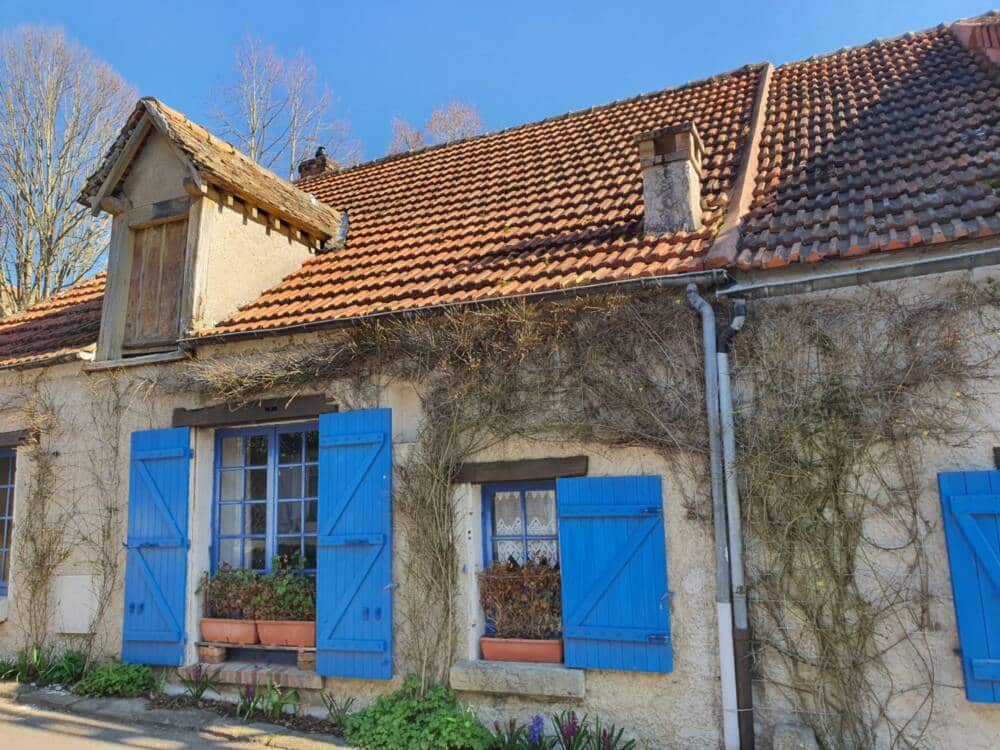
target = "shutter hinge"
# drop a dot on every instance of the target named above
(658, 638)
(652, 510)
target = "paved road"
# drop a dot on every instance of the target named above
(28, 728)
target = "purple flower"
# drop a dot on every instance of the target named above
(570, 728)
(196, 673)
(248, 692)
(535, 732)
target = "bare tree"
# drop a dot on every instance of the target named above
(60, 107)
(278, 112)
(452, 122)
(405, 137)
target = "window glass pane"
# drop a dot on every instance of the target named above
(290, 481)
(229, 552)
(290, 547)
(232, 451)
(255, 551)
(5, 494)
(310, 513)
(312, 481)
(312, 445)
(256, 518)
(229, 519)
(6, 464)
(540, 507)
(290, 447)
(257, 450)
(8, 532)
(310, 554)
(506, 548)
(543, 550)
(290, 517)
(507, 513)
(231, 485)
(256, 484)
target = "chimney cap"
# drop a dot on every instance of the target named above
(671, 143)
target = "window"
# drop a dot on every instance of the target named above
(519, 521)
(154, 292)
(267, 484)
(7, 456)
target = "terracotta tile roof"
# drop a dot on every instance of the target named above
(886, 146)
(891, 145)
(59, 327)
(541, 207)
(222, 166)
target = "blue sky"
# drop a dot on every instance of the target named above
(517, 61)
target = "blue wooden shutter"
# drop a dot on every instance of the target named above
(354, 560)
(970, 507)
(616, 605)
(157, 546)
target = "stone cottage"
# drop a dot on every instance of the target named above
(257, 373)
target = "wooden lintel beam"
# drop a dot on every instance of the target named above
(268, 410)
(521, 471)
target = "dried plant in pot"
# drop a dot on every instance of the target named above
(524, 604)
(226, 596)
(284, 605)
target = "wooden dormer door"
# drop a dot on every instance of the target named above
(152, 319)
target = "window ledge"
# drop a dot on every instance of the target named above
(4, 603)
(518, 678)
(144, 359)
(249, 673)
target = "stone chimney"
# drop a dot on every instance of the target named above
(671, 178)
(319, 164)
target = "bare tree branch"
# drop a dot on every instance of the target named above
(59, 108)
(278, 112)
(452, 122)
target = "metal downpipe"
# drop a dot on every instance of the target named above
(723, 596)
(741, 626)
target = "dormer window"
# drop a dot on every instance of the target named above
(155, 286)
(199, 229)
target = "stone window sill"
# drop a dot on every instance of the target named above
(518, 678)
(4, 603)
(137, 361)
(249, 673)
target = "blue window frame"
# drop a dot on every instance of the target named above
(7, 461)
(266, 490)
(520, 521)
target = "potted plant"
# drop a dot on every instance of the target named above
(524, 605)
(227, 593)
(284, 605)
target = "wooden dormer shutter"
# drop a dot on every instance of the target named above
(154, 293)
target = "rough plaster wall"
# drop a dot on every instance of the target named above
(955, 721)
(237, 247)
(155, 174)
(680, 709)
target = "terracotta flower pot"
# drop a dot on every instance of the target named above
(548, 651)
(218, 630)
(287, 632)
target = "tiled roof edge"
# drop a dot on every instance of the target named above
(545, 120)
(725, 248)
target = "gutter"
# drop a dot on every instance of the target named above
(839, 279)
(723, 592)
(713, 278)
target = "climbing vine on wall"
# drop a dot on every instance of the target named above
(840, 398)
(843, 400)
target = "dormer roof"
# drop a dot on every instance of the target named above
(212, 162)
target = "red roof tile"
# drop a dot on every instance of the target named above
(883, 147)
(541, 207)
(60, 326)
